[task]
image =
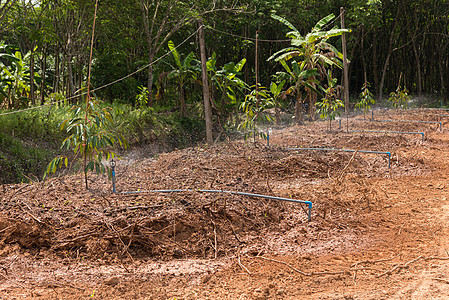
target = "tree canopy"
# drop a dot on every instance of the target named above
(389, 40)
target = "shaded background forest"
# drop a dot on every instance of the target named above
(45, 56)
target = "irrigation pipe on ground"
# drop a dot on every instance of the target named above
(411, 121)
(431, 108)
(344, 150)
(309, 203)
(387, 131)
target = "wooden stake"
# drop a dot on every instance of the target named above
(345, 66)
(206, 96)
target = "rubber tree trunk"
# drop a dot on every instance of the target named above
(44, 70)
(182, 100)
(150, 79)
(32, 96)
(417, 58)
(375, 68)
(390, 51)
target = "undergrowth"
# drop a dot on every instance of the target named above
(30, 139)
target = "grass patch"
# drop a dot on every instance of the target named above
(20, 161)
(29, 140)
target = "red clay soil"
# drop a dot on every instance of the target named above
(375, 233)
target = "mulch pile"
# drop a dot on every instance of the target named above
(61, 216)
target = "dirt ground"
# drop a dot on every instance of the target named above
(375, 232)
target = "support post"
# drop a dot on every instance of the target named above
(113, 176)
(345, 63)
(206, 96)
(257, 83)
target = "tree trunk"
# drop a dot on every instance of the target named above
(150, 79)
(70, 78)
(206, 96)
(312, 97)
(390, 51)
(182, 102)
(44, 70)
(442, 73)
(345, 62)
(57, 77)
(298, 107)
(33, 100)
(375, 69)
(415, 51)
(362, 51)
(298, 111)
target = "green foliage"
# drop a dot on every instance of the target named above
(400, 97)
(142, 97)
(254, 105)
(28, 141)
(183, 71)
(301, 79)
(14, 77)
(20, 160)
(312, 51)
(276, 91)
(329, 105)
(366, 99)
(91, 138)
(226, 84)
(111, 66)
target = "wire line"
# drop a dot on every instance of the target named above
(247, 38)
(107, 84)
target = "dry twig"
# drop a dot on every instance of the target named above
(373, 261)
(241, 265)
(442, 280)
(403, 266)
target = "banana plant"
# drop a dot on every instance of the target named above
(226, 85)
(303, 81)
(313, 51)
(183, 71)
(15, 76)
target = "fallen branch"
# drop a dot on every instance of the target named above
(18, 191)
(31, 215)
(398, 267)
(284, 263)
(404, 266)
(119, 236)
(242, 266)
(442, 280)
(80, 237)
(341, 174)
(215, 240)
(373, 261)
(233, 231)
